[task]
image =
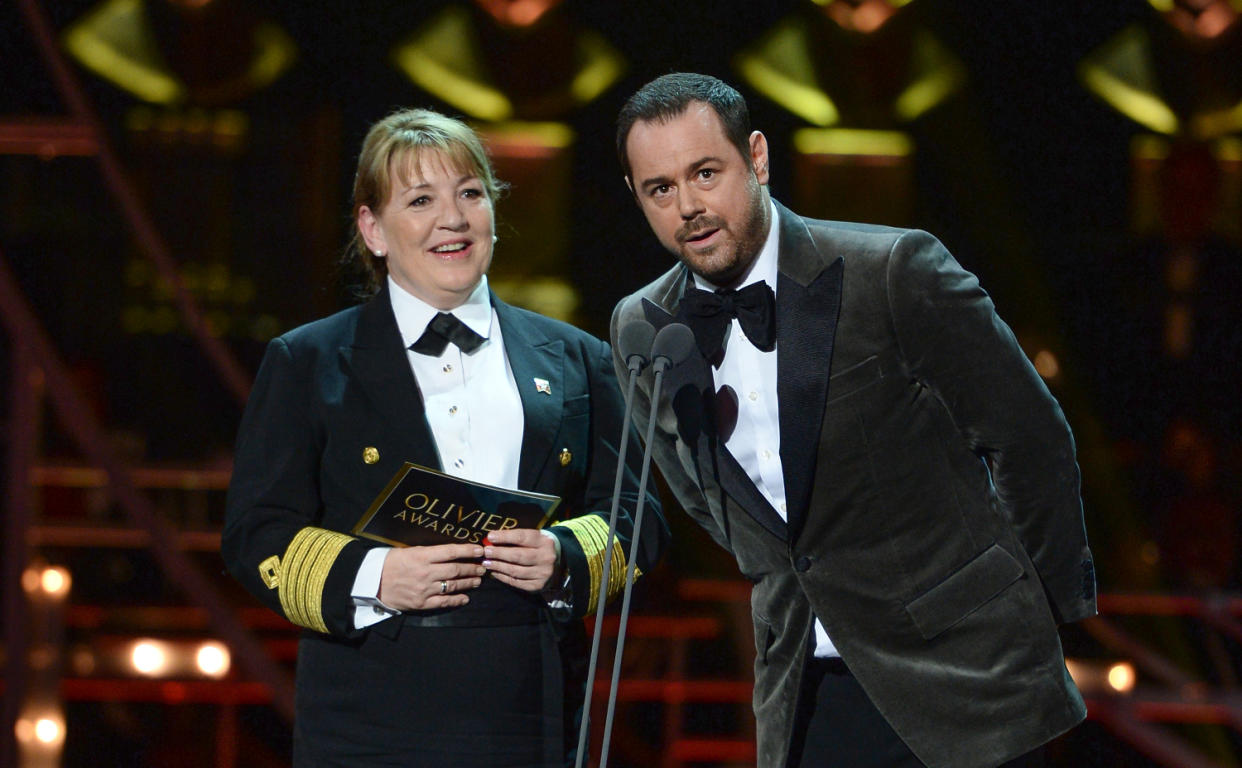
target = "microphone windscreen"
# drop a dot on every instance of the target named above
(635, 339)
(674, 342)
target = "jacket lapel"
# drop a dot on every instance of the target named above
(379, 364)
(533, 356)
(808, 304)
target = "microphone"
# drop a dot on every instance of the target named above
(672, 346)
(634, 341)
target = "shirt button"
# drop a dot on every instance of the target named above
(459, 463)
(783, 507)
(767, 454)
(448, 368)
(803, 564)
(753, 396)
(452, 410)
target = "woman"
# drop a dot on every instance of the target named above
(456, 654)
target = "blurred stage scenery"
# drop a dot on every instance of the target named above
(174, 192)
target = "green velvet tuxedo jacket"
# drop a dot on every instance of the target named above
(934, 519)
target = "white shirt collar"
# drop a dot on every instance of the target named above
(765, 266)
(413, 314)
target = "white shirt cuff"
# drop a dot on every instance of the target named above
(558, 597)
(368, 609)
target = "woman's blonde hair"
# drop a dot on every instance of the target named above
(395, 144)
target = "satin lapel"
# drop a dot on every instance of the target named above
(532, 355)
(691, 390)
(379, 365)
(808, 304)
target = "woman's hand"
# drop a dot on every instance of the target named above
(424, 578)
(521, 557)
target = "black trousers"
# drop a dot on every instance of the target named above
(837, 726)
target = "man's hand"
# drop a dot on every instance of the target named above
(423, 578)
(521, 557)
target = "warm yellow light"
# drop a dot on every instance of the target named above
(83, 660)
(213, 659)
(1121, 677)
(56, 581)
(852, 142)
(23, 729)
(45, 730)
(48, 731)
(1046, 364)
(1075, 671)
(148, 657)
(31, 580)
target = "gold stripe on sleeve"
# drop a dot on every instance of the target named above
(303, 572)
(591, 531)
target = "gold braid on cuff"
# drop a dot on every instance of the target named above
(591, 531)
(303, 572)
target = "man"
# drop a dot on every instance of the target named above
(875, 451)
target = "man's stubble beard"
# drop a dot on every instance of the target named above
(725, 269)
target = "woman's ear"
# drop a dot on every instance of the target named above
(371, 231)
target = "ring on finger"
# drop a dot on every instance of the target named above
(443, 587)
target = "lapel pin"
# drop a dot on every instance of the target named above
(542, 385)
(370, 455)
(566, 457)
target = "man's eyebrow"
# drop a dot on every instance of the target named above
(697, 164)
(654, 181)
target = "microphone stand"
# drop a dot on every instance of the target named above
(672, 345)
(635, 362)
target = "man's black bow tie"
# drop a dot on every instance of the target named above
(708, 315)
(442, 329)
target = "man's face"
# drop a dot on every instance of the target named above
(705, 202)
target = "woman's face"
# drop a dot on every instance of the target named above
(435, 230)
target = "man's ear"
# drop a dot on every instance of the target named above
(759, 156)
(372, 233)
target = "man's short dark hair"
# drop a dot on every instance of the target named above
(668, 96)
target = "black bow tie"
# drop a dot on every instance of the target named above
(708, 315)
(442, 329)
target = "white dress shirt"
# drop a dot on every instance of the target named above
(473, 408)
(751, 375)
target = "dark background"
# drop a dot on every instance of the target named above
(1048, 230)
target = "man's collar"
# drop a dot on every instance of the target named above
(765, 265)
(413, 314)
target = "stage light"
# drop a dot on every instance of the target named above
(1046, 364)
(213, 659)
(149, 657)
(42, 730)
(1099, 676)
(853, 142)
(1121, 677)
(31, 580)
(56, 581)
(43, 581)
(48, 731)
(83, 661)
